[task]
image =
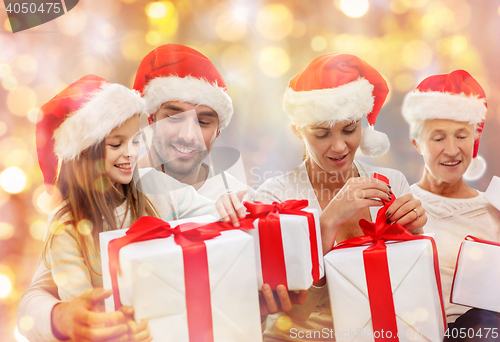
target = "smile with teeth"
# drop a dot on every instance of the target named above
(184, 150)
(124, 166)
(339, 158)
(451, 163)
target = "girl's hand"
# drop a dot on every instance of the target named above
(230, 207)
(356, 194)
(138, 332)
(280, 300)
(408, 212)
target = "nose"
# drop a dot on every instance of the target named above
(189, 129)
(337, 144)
(451, 147)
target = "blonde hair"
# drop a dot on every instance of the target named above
(88, 194)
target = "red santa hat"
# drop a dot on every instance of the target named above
(455, 96)
(81, 116)
(178, 73)
(335, 88)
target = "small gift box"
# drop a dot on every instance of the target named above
(492, 194)
(193, 283)
(477, 275)
(287, 241)
(385, 285)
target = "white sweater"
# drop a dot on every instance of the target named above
(296, 185)
(452, 219)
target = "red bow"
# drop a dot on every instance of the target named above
(272, 254)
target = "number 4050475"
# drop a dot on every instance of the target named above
(32, 7)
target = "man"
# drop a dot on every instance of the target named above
(188, 106)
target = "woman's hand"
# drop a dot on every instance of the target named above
(408, 212)
(230, 207)
(279, 300)
(138, 332)
(356, 194)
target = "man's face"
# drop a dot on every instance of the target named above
(183, 134)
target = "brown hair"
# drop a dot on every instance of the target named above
(88, 194)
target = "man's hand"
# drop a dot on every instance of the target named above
(279, 300)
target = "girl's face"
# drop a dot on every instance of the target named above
(447, 147)
(122, 150)
(332, 148)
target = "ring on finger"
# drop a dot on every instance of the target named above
(416, 212)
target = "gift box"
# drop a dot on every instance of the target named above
(477, 275)
(385, 284)
(492, 194)
(287, 241)
(197, 284)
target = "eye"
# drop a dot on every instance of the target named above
(115, 145)
(174, 118)
(462, 137)
(321, 136)
(135, 142)
(346, 131)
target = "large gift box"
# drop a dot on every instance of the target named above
(385, 285)
(477, 275)
(287, 239)
(193, 283)
(492, 193)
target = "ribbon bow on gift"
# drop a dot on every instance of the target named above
(377, 268)
(190, 236)
(271, 248)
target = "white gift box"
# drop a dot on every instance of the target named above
(477, 276)
(492, 194)
(296, 249)
(417, 302)
(152, 282)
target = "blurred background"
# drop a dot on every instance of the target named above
(258, 46)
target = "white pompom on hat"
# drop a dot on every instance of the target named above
(455, 96)
(175, 72)
(335, 88)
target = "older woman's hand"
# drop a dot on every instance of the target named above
(408, 212)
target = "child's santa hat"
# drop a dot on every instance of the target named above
(81, 116)
(178, 73)
(335, 88)
(456, 96)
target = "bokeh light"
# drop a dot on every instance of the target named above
(6, 231)
(319, 43)
(230, 29)
(26, 323)
(13, 180)
(354, 8)
(274, 61)
(5, 286)
(21, 100)
(84, 227)
(283, 323)
(274, 22)
(73, 23)
(37, 229)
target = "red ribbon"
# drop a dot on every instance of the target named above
(377, 268)
(191, 237)
(272, 255)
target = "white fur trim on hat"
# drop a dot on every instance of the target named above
(332, 105)
(108, 108)
(374, 143)
(421, 106)
(476, 169)
(188, 89)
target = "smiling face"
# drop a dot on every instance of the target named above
(332, 148)
(183, 135)
(122, 150)
(447, 148)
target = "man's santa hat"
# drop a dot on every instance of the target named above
(81, 116)
(178, 73)
(335, 88)
(456, 96)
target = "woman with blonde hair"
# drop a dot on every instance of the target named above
(446, 114)
(326, 102)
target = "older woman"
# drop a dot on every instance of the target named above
(326, 102)
(446, 114)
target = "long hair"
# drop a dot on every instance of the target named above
(89, 200)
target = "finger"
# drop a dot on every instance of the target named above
(414, 226)
(142, 335)
(137, 327)
(221, 209)
(400, 207)
(285, 301)
(237, 198)
(97, 334)
(301, 299)
(228, 205)
(369, 182)
(371, 193)
(272, 306)
(410, 214)
(127, 310)
(98, 295)
(91, 318)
